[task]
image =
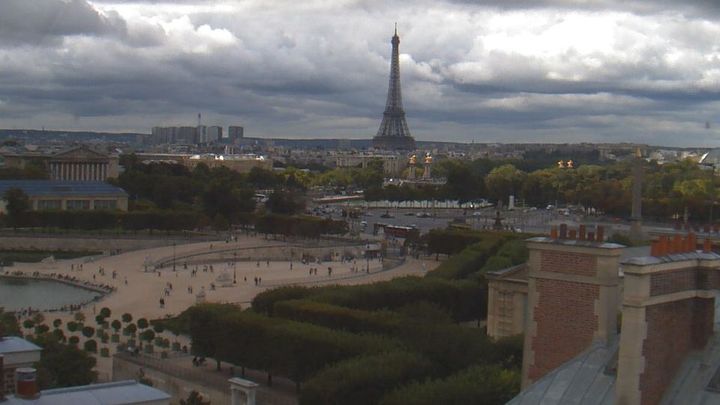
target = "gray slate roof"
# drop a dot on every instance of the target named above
(38, 188)
(115, 393)
(14, 344)
(581, 381)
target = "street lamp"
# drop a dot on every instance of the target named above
(173, 256)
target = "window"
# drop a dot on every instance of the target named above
(78, 204)
(49, 205)
(105, 204)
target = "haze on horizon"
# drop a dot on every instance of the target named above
(505, 70)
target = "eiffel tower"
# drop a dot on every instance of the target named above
(394, 133)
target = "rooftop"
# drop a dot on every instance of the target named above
(38, 188)
(114, 393)
(14, 344)
(587, 379)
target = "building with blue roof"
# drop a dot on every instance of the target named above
(68, 195)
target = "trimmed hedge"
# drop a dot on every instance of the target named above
(463, 299)
(487, 385)
(363, 380)
(279, 346)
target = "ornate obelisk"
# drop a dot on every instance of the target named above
(636, 232)
(394, 133)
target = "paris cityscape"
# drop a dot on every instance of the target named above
(241, 202)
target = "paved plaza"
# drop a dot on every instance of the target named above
(139, 292)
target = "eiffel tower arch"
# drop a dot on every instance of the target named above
(394, 133)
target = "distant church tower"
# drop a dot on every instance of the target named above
(394, 133)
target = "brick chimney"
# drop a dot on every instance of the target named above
(26, 383)
(572, 299)
(668, 312)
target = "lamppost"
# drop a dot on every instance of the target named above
(173, 256)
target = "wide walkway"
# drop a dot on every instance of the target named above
(139, 292)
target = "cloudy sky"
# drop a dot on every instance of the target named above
(502, 70)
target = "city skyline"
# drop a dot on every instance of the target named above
(550, 71)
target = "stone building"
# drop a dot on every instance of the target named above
(238, 163)
(79, 163)
(393, 165)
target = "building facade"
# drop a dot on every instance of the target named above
(68, 195)
(76, 164)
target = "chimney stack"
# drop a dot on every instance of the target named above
(26, 383)
(600, 233)
(581, 232)
(563, 231)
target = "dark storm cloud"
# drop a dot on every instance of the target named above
(491, 70)
(46, 22)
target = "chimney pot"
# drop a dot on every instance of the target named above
(600, 233)
(26, 383)
(663, 245)
(677, 244)
(553, 232)
(572, 234)
(581, 232)
(692, 242)
(707, 246)
(591, 236)
(563, 231)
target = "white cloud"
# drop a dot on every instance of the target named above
(518, 70)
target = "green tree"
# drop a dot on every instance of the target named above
(504, 181)
(127, 318)
(105, 312)
(63, 365)
(17, 204)
(194, 399)
(284, 202)
(8, 324)
(88, 331)
(116, 325)
(142, 323)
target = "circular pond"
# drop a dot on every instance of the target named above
(17, 294)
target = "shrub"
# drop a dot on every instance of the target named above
(90, 346)
(88, 331)
(476, 385)
(363, 380)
